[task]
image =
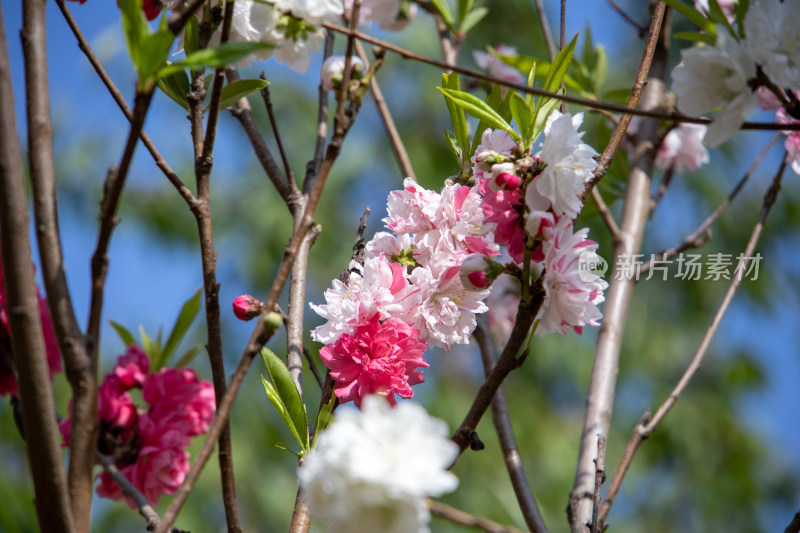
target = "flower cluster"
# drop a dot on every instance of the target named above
(552, 183)
(372, 470)
(735, 75)
(8, 373)
(148, 443)
(418, 286)
(392, 15)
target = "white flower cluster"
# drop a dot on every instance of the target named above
(723, 76)
(371, 471)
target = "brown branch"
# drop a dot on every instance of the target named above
(457, 516)
(24, 321)
(663, 185)
(600, 397)
(647, 425)
(244, 114)
(505, 432)
(81, 371)
(129, 490)
(274, 123)
(588, 102)
(633, 100)
(178, 19)
(161, 163)
(599, 477)
(313, 166)
(396, 142)
(297, 299)
(112, 191)
(702, 233)
(529, 307)
(605, 214)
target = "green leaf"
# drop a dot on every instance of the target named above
(457, 115)
(324, 418)
(444, 10)
(124, 334)
(472, 18)
(232, 92)
(694, 36)
(451, 143)
(600, 73)
(177, 87)
(716, 14)
(495, 101)
(693, 15)
(189, 355)
(134, 27)
(538, 67)
(181, 327)
(191, 36)
(151, 348)
(222, 55)
(741, 11)
(154, 49)
(559, 68)
(285, 397)
(522, 117)
(464, 7)
(477, 108)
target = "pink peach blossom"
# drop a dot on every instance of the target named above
(378, 358)
(132, 367)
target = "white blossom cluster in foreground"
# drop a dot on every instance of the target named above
(372, 470)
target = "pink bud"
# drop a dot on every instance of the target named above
(477, 272)
(508, 181)
(480, 280)
(245, 307)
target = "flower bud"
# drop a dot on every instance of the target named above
(332, 71)
(245, 307)
(488, 158)
(504, 178)
(478, 272)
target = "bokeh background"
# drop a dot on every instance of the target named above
(725, 459)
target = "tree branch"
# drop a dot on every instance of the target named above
(702, 233)
(24, 320)
(505, 432)
(600, 397)
(647, 425)
(548, 36)
(130, 491)
(274, 123)
(80, 369)
(161, 163)
(588, 102)
(457, 516)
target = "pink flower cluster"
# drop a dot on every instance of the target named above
(553, 181)
(419, 285)
(8, 373)
(148, 443)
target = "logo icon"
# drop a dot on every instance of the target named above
(591, 266)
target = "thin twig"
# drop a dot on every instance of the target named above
(505, 432)
(605, 214)
(297, 298)
(179, 19)
(588, 102)
(396, 142)
(129, 490)
(633, 100)
(600, 396)
(548, 36)
(599, 477)
(81, 371)
(562, 41)
(24, 321)
(313, 166)
(161, 163)
(702, 233)
(274, 123)
(647, 425)
(663, 185)
(463, 518)
(312, 367)
(244, 113)
(642, 30)
(112, 191)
